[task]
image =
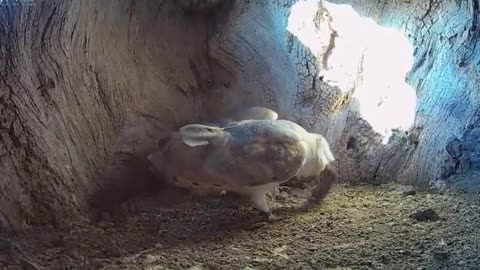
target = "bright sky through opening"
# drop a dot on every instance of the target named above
(367, 57)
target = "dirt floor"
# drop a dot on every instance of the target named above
(362, 227)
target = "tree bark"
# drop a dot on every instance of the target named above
(446, 77)
(87, 87)
(74, 74)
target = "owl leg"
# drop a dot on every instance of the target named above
(260, 202)
(258, 196)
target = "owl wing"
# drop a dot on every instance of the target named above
(256, 153)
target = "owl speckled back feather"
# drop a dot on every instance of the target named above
(246, 153)
(257, 152)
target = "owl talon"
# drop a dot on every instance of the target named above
(272, 218)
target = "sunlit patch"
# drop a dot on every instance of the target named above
(368, 58)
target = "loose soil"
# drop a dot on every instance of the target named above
(355, 227)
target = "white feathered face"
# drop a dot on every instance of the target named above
(198, 135)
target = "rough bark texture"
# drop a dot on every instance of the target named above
(87, 87)
(445, 74)
(74, 74)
